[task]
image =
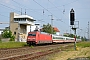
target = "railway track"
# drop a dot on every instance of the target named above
(27, 53)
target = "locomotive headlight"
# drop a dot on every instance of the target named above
(29, 38)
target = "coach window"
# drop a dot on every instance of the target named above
(61, 38)
(53, 37)
(67, 39)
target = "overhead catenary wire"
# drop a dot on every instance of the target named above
(26, 8)
(44, 8)
(51, 13)
(14, 9)
(63, 9)
(47, 10)
(59, 10)
(41, 6)
(64, 4)
(53, 5)
(21, 8)
(9, 7)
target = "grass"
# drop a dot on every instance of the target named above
(84, 44)
(12, 44)
(71, 54)
(21, 44)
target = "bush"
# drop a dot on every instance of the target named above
(7, 34)
(12, 38)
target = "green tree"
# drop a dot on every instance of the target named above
(69, 35)
(8, 34)
(83, 38)
(65, 35)
(12, 38)
(48, 29)
(72, 36)
(78, 37)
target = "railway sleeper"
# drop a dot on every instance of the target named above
(30, 56)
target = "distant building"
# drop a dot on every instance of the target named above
(20, 25)
(1, 31)
(57, 30)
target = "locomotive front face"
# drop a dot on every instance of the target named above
(31, 39)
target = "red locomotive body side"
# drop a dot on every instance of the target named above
(44, 38)
(38, 38)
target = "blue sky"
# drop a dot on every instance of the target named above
(60, 9)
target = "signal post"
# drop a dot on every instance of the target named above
(72, 23)
(74, 37)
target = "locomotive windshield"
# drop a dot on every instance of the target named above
(31, 34)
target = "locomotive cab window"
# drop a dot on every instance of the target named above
(31, 34)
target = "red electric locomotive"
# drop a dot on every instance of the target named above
(37, 37)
